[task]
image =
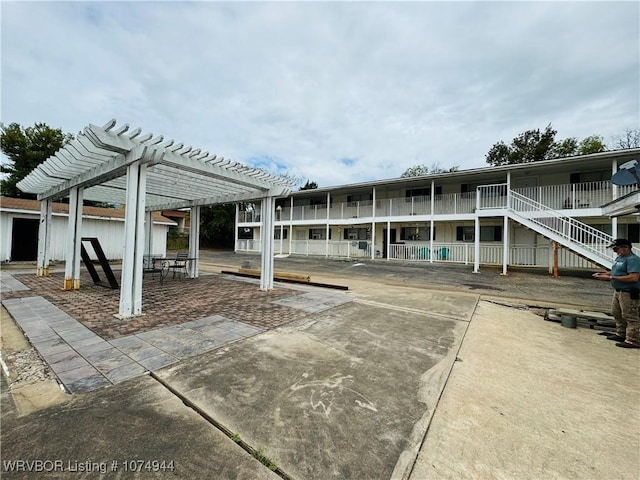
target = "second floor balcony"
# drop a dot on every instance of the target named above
(568, 197)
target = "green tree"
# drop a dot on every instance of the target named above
(591, 144)
(564, 148)
(309, 185)
(26, 148)
(529, 146)
(420, 170)
(216, 226)
(533, 146)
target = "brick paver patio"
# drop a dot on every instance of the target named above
(174, 302)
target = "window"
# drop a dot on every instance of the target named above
(465, 234)
(592, 178)
(490, 234)
(319, 234)
(362, 197)
(357, 234)
(487, 234)
(421, 192)
(417, 233)
(245, 233)
(276, 234)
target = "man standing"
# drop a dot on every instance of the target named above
(625, 280)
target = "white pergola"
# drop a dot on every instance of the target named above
(146, 174)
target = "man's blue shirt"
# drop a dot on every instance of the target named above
(624, 266)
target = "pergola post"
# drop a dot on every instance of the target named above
(194, 241)
(266, 237)
(131, 283)
(44, 239)
(74, 240)
(148, 227)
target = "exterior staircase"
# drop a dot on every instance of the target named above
(582, 239)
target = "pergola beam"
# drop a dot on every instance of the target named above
(104, 172)
(217, 200)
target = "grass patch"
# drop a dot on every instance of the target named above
(266, 461)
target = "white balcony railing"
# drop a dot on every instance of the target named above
(490, 254)
(557, 197)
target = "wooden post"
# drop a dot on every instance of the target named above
(555, 260)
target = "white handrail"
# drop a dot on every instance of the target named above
(586, 236)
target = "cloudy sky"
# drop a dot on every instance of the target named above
(335, 92)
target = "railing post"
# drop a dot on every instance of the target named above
(476, 239)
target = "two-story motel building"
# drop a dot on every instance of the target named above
(515, 215)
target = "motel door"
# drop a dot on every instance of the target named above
(392, 239)
(523, 250)
(24, 239)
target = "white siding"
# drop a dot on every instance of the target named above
(110, 232)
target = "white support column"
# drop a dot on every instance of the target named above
(194, 242)
(44, 239)
(505, 229)
(235, 229)
(505, 245)
(614, 191)
(476, 236)
(74, 240)
(432, 227)
(139, 243)
(373, 226)
(148, 236)
(388, 239)
(131, 283)
(326, 242)
(266, 236)
(290, 227)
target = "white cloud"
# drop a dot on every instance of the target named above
(334, 92)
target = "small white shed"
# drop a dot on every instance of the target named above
(19, 220)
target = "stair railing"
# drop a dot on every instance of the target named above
(568, 228)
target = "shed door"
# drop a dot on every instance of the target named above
(24, 239)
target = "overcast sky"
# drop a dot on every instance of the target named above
(335, 92)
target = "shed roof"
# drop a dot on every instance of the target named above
(178, 176)
(26, 205)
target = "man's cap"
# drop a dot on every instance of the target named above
(620, 242)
